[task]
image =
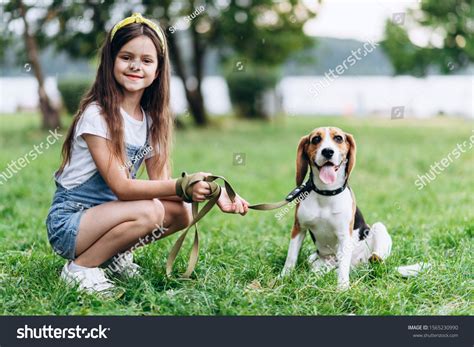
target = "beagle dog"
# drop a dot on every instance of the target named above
(329, 211)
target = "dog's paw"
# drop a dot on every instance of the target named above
(312, 258)
(343, 286)
(284, 273)
(321, 266)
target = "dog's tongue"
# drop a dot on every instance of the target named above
(327, 174)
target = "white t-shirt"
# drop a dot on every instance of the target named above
(81, 165)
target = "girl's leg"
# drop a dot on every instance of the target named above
(178, 216)
(114, 227)
(110, 228)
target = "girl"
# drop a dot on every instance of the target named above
(99, 209)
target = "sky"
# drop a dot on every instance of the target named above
(356, 19)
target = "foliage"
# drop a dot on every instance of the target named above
(451, 46)
(72, 90)
(247, 87)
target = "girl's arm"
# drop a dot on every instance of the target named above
(153, 174)
(132, 189)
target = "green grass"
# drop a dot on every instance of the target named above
(241, 256)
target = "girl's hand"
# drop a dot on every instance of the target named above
(201, 189)
(226, 205)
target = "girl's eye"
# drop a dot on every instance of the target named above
(125, 57)
(315, 140)
(148, 61)
(338, 138)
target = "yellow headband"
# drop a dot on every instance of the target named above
(137, 18)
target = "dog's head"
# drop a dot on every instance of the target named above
(325, 149)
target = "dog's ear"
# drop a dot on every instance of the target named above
(351, 154)
(302, 160)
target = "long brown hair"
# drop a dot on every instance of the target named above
(107, 93)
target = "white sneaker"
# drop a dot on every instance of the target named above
(92, 280)
(122, 264)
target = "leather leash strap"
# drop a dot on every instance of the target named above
(198, 215)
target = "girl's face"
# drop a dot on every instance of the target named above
(136, 64)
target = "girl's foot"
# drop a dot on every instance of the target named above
(122, 264)
(91, 280)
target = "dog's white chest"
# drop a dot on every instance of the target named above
(327, 217)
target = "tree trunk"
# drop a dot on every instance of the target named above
(198, 70)
(50, 114)
(194, 97)
(196, 103)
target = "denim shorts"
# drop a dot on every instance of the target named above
(62, 224)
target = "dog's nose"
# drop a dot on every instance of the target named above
(327, 153)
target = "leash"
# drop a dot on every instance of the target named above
(199, 214)
(214, 196)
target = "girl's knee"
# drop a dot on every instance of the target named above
(152, 214)
(186, 214)
(181, 216)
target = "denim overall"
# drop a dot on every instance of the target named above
(69, 205)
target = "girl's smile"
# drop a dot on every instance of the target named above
(133, 77)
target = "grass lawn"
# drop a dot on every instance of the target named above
(241, 256)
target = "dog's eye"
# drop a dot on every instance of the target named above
(315, 140)
(338, 138)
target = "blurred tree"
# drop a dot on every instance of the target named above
(262, 31)
(451, 45)
(248, 88)
(18, 10)
(257, 38)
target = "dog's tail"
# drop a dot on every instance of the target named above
(383, 246)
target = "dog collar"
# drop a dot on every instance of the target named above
(305, 187)
(326, 192)
(310, 186)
